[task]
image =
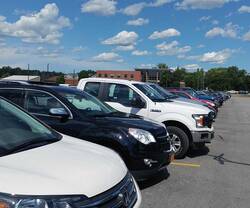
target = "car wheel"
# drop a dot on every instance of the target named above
(179, 140)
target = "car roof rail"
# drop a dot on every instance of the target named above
(20, 82)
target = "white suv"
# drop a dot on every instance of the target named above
(187, 124)
(41, 168)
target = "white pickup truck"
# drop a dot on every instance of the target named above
(188, 124)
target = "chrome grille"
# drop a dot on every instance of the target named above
(123, 195)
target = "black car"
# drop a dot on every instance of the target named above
(143, 145)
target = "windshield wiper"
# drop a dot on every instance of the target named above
(29, 145)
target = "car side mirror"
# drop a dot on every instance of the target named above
(138, 103)
(59, 112)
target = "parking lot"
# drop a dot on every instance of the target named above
(217, 176)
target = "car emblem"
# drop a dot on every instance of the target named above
(124, 197)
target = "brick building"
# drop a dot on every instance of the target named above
(128, 75)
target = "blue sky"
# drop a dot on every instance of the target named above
(124, 34)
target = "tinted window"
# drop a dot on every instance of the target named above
(41, 102)
(121, 94)
(86, 103)
(92, 88)
(18, 128)
(14, 95)
(183, 95)
(150, 92)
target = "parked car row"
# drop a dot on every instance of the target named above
(143, 125)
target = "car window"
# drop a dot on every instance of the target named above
(14, 95)
(41, 102)
(18, 128)
(183, 95)
(92, 88)
(86, 103)
(121, 94)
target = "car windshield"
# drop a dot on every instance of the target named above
(192, 93)
(150, 92)
(19, 131)
(163, 92)
(86, 103)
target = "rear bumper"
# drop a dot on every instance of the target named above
(202, 136)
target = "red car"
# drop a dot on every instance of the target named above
(188, 96)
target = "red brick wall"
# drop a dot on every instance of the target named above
(128, 75)
(71, 82)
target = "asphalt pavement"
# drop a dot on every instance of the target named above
(217, 176)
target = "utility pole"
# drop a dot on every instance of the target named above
(47, 74)
(74, 73)
(28, 72)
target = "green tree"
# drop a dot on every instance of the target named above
(85, 74)
(60, 79)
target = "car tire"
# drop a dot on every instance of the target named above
(180, 141)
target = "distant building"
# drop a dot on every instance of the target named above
(128, 75)
(151, 75)
(71, 79)
(23, 78)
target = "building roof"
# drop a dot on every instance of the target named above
(22, 78)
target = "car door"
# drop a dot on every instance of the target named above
(39, 103)
(121, 98)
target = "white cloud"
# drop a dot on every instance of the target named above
(170, 49)
(147, 66)
(215, 22)
(205, 18)
(191, 67)
(42, 27)
(246, 37)
(201, 46)
(138, 22)
(78, 49)
(229, 31)
(201, 4)
(135, 9)
(125, 48)
(123, 38)
(140, 53)
(171, 32)
(244, 9)
(216, 57)
(159, 3)
(102, 7)
(107, 57)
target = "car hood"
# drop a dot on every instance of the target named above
(67, 167)
(157, 129)
(184, 100)
(184, 108)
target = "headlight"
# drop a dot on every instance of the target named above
(142, 136)
(12, 201)
(200, 120)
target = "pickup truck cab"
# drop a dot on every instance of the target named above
(42, 168)
(143, 145)
(187, 125)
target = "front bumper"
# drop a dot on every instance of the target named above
(202, 136)
(142, 171)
